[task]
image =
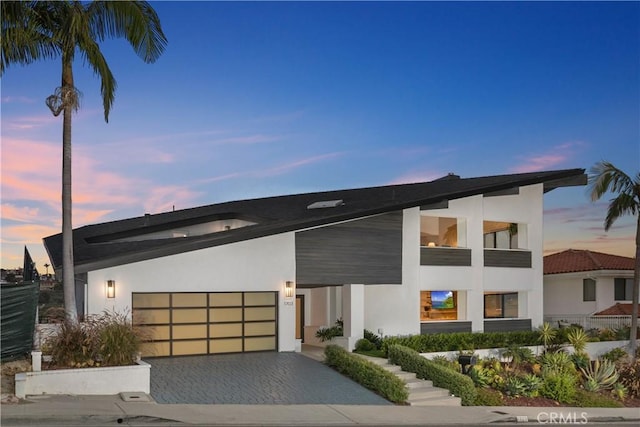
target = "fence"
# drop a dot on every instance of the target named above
(589, 322)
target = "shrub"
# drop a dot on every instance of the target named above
(488, 397)
(560, 386)
(514, 386)
(587, 399)
(326, 334)
(74, 346)
(462, 341)
(629, 376)
(410, 361)
(518, 354)
(615, 354)
(619, 391)
(599, 375)
(107, 339)
(364, 344)
(449, 364)
(373, 338)
(557, 362)
(532, 384)
(580, 360)
(119, 341)
(366, 373)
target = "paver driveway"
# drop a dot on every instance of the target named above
(253, 378)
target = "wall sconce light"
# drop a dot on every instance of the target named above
(111, 288)
(432, 244)
(288, 289)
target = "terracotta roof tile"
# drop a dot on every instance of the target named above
(616, 310)
(576, 260)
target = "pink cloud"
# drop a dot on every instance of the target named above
(20, 214)
(413, 177)
(279, 170)
(558, 156)
(163, 199)
(17, 100)
(26, 233)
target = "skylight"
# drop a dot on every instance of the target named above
(325, 204)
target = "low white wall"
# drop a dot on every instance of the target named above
(593, 349)
(107, 380)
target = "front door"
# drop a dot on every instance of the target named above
(300, 317)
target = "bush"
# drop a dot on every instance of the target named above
(410, 361)
(373, 338)
(364, 344)
(366, 373)
(560, 386)
(462, 341)
(326, 334)
(629, 376)
(108, 339)
(615, 354)
(587, 399)
(488, 397)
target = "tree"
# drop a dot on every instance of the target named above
(37, 30)
(605, 177)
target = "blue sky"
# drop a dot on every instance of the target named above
(254, 99)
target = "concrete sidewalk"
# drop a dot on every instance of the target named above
(111, 410)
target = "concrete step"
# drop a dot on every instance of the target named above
(428, 393)
(406, 376)
(444, 401)
(416, 383)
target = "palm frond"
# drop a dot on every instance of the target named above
(136, 21)
(604, 177)
(91, 53)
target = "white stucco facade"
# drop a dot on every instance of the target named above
(267, 263)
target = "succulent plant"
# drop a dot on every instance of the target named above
(601, 374)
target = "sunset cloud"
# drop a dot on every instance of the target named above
(19, 214)
(557, 156)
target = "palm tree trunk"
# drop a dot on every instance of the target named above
(68, 274)
(635, 294)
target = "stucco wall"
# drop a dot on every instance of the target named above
(563, 292)
(263, 264)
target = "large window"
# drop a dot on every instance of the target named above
(442, 231)
(588, 290)
(438, 305)
(500, 305)
(623, 289)
(500, 235)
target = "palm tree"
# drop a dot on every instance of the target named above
(605, 177)
(36, 30)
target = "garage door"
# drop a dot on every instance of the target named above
(185, 323)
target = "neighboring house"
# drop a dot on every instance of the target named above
(447, 255)
(583, 283)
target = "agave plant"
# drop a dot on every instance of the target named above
(514, 386)
(620, 391)
(578, 339)
(547, 334)
(601, 374)
(559, 362)
(532, 384)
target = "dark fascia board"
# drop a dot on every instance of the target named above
(273, 226)
(514, 191)
(571, 181)
(442, 204)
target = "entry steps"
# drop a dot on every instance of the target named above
(421, 392)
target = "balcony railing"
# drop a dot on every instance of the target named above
(588, 322)
(445, 256)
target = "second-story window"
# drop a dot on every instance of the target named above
(500, 235)
(438, 231)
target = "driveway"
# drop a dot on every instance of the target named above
(253, 378)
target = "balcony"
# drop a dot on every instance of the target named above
(460, 257)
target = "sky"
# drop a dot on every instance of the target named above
(256, 99)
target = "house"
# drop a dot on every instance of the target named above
(451, 254)
(579, 284)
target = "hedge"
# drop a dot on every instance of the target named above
(411, 361)
(462, 341)
(366, 373)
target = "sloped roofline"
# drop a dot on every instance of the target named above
(94, 248)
